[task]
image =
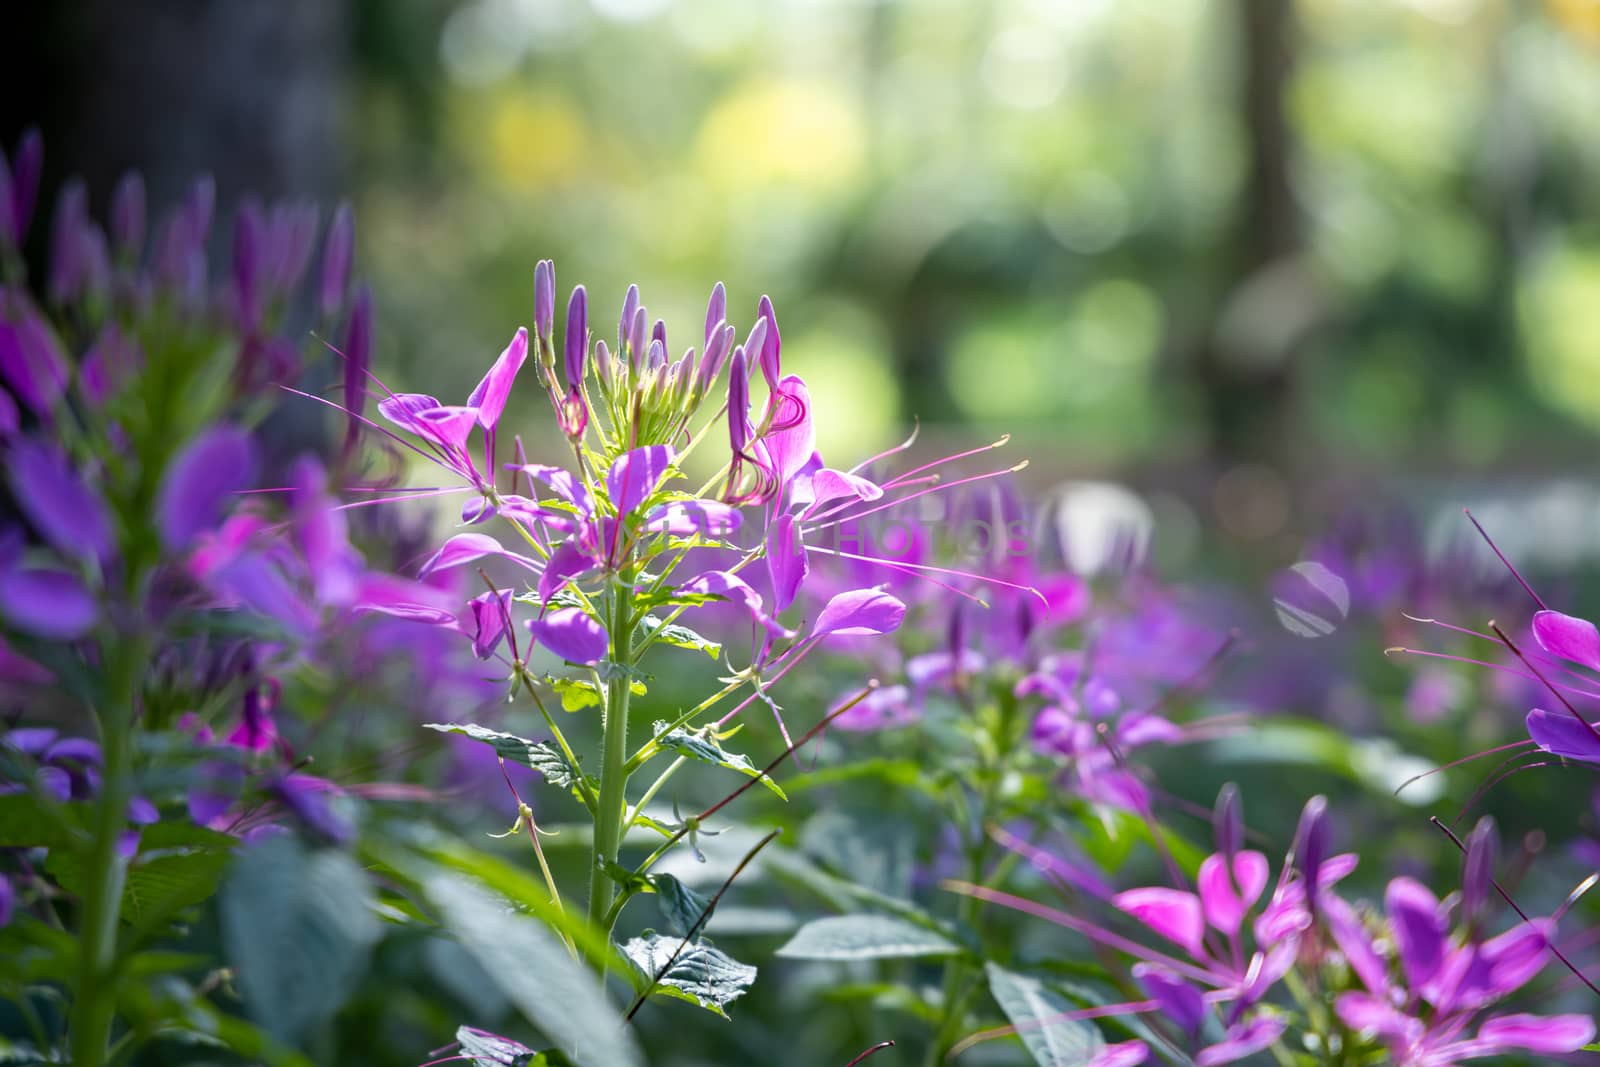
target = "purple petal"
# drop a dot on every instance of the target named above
(562, 482)
(306, 798)
(402, 409)
(1122, 1054)
(1517, 956)
(10, 417)
(47, 603)
(25, 181)
(792, 438)
(495, 389)
(1172, 913)
(571, 634)
(31, 360)
(860, 612)
(1419, 928)
(202, 481)
(1538, 1033)
(463, 548)
(1245, 1039)
(217, 785)
(65, 511)
(386, 594)
(1569, 637)
(253, 581)
(565, 563)
(731, 587)
(447, 425)
(786, 561)
(882, 709)
(1351, 936)
(1374, 1015)
(337, 253)
(357, 358)
(716, 311)
(828, 485)
(634, 476)
(1226, 899)
(128, 214)
(490, 611)
(8, 895)
(1561, 734)
(32, 741)
(1180, 1001)
(686, 517)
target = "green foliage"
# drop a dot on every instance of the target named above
(866, 937)
(535, 972)
(1035, 1011)
(699, 973)
(298, 926)
(543, 756)
(681, 907)
(703, 745)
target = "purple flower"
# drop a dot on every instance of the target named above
(201, 483)
(60, 506)
(338, 251)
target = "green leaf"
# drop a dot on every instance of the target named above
(532, 967)
(542, 756)
(841, 894)
(1035, 1011)
(866, 937)
(297, 926)
(706, 748)
(29, 821)
(701, 974)
(579, 693)
(681, 907)
(680, 636)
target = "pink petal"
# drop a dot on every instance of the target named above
(1122, 1054)
(786, 561)
(828, 485)
(571, 635)
(859, 613)
(1539, 1033)
(566, 563)
(1569, 637)
(489, 398)
(1225, 905)
(688, 517)
(1375, 1015)
(1242, 1040)
(1172, 913)
(463, 548)
(730, 586)
(402, 408)
(793, 437)
(201, 483)
(47, 488)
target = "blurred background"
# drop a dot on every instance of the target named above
(1263, 254)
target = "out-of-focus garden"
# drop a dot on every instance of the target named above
(1265, 292)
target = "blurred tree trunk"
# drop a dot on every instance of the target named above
(1246, 360)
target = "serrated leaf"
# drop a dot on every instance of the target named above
(707, 749)
(298, 926)
(701, 974)
(680, 636)
(681, 907)
(1035, 1011)
(532, 968)
(542, 756)
(866, 937)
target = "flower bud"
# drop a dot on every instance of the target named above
(67, 259)
(716, 355)
(1311, 842)
(337, 253)
(357, 358)
(771, 347)
(638, 339)
(577, 349)
(659, 333)
(128, 215)
(657, 357)
(20, 187)
(602, 363)
(1477, 881)
(738, 403)
(544, 299)
(630, 304)
(1227, 820)
(716, 311)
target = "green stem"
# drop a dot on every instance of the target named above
(94, 1004)
(612, 804)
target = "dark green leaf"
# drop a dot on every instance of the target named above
(680, 636)
(866, 937)
(1036, 1012)
(297, 926)
(701, 974)
(542, 756)
(532, 967)
(702, 746)
(681, 907)
(27, 821)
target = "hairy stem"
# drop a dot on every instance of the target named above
(94, 1003)
(611, 808)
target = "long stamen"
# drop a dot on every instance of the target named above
(1537, 599)
(1529, 664)
(1501, 667)
(1459, 763)
(941, 461)
(916, 429)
